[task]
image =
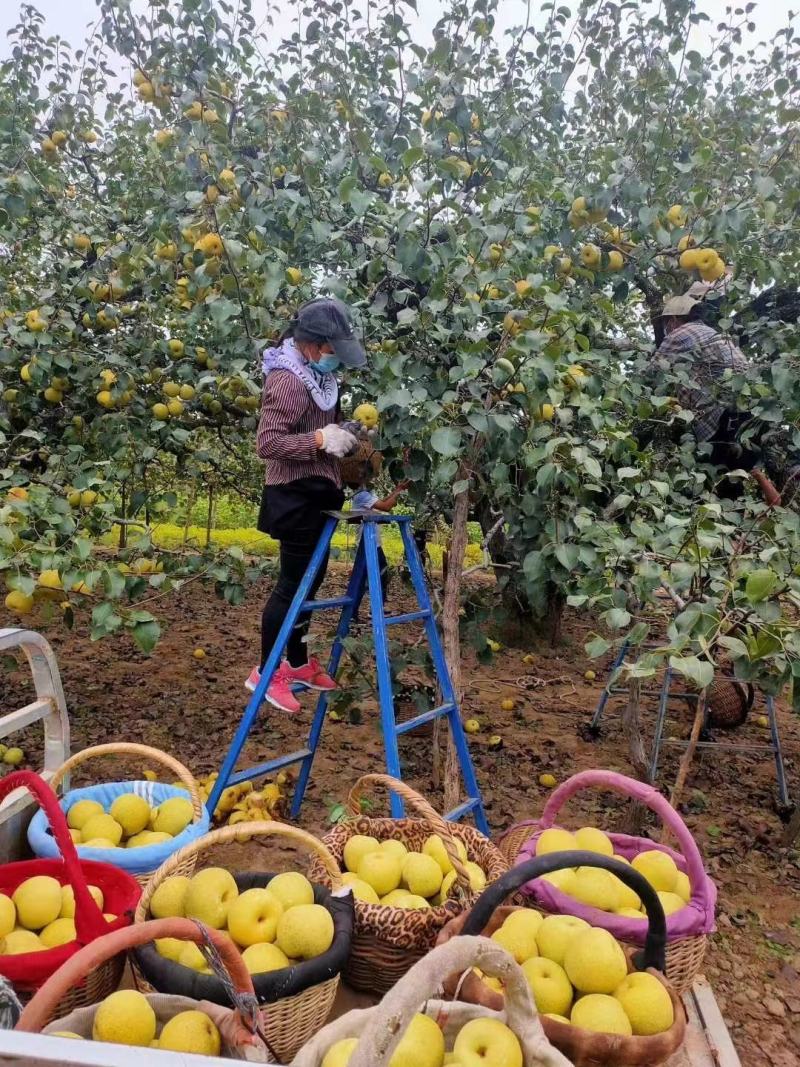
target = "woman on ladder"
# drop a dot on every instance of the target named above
(302, 443)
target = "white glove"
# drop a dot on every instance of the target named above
(337, 442)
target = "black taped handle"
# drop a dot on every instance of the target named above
(654, 952)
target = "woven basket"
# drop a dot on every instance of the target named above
(287, 1021)
(366, 461)
(387, 940)
(583, 1047)
(152, 856)
(28, 971)
(237, 1027)
(728, 702)
(687, 929)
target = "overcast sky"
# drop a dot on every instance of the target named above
(69, 18)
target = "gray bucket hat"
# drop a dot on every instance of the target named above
(679, 307)
(329, 319)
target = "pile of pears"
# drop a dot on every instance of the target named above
(578, 975)
(603, 890)
(386, 872)
(126, 1018)
(40, 915)
(129, 822)
(275, 926)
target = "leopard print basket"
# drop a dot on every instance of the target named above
(387, 941)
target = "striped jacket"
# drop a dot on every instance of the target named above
(286, 432)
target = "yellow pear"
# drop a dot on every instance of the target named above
(58, 932)
(381, 870)
(209, 896)
(338, 1055)
(291, 888)
(590, 839)
(174, 815)
(487, 1041)
(601, 1014)
(132, 812)
(82, 810)
(356, 848)
(646, 1003)
(190, 1031)
(551, 989)
(658, 868)
(253, 917)
(260, 958)
(169, 897)
(556, 933)
(554, 840)
(361, 891)
(422, 874)
(597, 888)
(125, 1018)
(38, 901)
(595, 962)
(422, 1045)
(103, 826)
(19, 941)
(8, 915)
(305, 931)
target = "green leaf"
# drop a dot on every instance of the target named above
(598, 646)
(146, 635)
(759, 585)
(446, 441)
(701, 672)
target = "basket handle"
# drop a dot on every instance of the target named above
(421, 806)
(653, 954)
(387, 1022)
(226, 834)
(89, 921)
(130, 748)
(39, 1010)
(651, 798)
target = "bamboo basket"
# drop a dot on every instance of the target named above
(154, 755)
(584, 1048)
(387, 940)
(289, 1021)
(237, 1027)
(687, 929)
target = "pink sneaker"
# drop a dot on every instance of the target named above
(279, 693)
(312, 676)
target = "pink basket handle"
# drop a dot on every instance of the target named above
(40, 1008)
(647, 795)
(89, 921)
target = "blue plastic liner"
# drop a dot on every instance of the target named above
(135, 861)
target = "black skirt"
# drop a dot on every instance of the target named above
(296, 509)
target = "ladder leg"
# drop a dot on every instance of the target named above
(355, 589)
(780, 773)
(269, 668)
(660, 719)
(601, 704)
(443, 676)
(369, 540)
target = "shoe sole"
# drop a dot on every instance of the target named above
(250, 687)
(318, 688)
(279, 706)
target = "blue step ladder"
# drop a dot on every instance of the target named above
(364, 578)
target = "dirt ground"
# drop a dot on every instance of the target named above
(190, 708)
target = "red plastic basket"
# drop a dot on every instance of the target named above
(121, 892)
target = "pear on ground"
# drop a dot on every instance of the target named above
(125, 1018)
(487, 1041)
(646, 1003)
(595, 962)
(591, 839)
(356, 848)
(381, 870)
(68, 900)
(291, 888)
(132, 812)
(556, 933)
(422, 874)
(305, 931)
(169, 898)
(38, 901)
(210, 895)
(361, 891)
(190, 1031)
(658, 868)
(551, 989)
(422, 1045)
(262, 958)
(554, 840)
(601, 1014)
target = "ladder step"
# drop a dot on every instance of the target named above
(425, 717)
(323, 605)
(463, 809)
(271, 765)
(410, 616)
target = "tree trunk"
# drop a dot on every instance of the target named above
(123, 530)
(637, 813)
(210, 519)
(450, 632)
(190, 503)
(688, 755)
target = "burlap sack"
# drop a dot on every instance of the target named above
(166, 1006)
(380, 1029)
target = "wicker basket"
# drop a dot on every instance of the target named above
(287, 1021)
(237, 1026)
(29, 971)
(728, 703)
(687, 929)
(387, 940)
(584, 1048)
(122, 857)
(366, 461)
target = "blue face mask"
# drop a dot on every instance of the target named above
(326, 365)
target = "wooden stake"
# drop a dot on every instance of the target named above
(450, 631)
(688, 755)
(634, 822)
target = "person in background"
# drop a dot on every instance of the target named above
(300, 439)
(360, 473)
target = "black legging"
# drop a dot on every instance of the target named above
(295, 554)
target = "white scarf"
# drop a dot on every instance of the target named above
(322, 387)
